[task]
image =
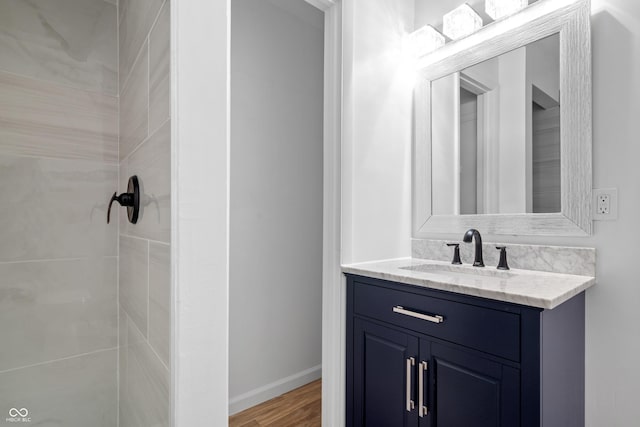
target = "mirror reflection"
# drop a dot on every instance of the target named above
(496, 135)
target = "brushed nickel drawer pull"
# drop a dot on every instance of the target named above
(434, 319)
(422, 407)
(410, 363)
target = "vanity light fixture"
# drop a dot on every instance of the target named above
(425, 40)
(498, 9)
(461, 22)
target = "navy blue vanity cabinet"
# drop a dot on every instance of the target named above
(427, 358)
(385, 366)
(470, 390)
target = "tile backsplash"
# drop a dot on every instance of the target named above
(555, 259)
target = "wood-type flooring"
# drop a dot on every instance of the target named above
(298, 408)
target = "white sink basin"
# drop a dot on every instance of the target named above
(451, 269)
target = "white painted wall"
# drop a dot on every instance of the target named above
(377, 129)
(613, 318)
(276, 198)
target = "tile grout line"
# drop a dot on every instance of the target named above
(146, 342)
(158, 357)
(103, 162)
(149, 305)
(149, 82)
(125, 84)
(75, 356)
(147, 139)
(118, 367)
(148, 293)
(152, 131)
(157, 242)
(99, 257)
(138, 54)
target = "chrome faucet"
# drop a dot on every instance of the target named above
(468, 238)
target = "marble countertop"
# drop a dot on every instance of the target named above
(525, 287)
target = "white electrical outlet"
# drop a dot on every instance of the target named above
(605, 204)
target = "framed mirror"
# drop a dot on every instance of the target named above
(503, 127)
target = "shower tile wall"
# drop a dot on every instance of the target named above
(145, 130)
(58, 165)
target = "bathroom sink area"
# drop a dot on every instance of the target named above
(450, 269)
(526, 287)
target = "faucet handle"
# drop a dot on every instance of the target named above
(502, 264)
(456, 253)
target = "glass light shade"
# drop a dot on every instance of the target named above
(461, 22)
(426, 40)
(500, 8)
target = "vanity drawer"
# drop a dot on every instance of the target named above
(491, 331)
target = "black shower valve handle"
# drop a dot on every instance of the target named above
(125, 199)
(130, 200)
(113, 199)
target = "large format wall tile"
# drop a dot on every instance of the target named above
(75, 392)
(144, 385)
(159, 300)
(145, 151)
(134, 107)
(134, 283)
(44, 119)
(54, 208)
(159, 71)
(123, 326)
(136, 20)
(55, 309)
(70, 42)
(151, 162)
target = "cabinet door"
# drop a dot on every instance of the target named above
(469, 390)
(384, 374)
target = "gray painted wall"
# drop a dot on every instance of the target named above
(276, 197)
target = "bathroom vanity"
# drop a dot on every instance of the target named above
(432, 344)
(502, 349)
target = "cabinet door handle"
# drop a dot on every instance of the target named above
(410, 363)
(422, 407)
(434, 319)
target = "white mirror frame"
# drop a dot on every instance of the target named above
(570, 18)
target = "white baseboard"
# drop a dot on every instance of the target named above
(274, 389)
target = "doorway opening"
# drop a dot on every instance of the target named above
(276, 199)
